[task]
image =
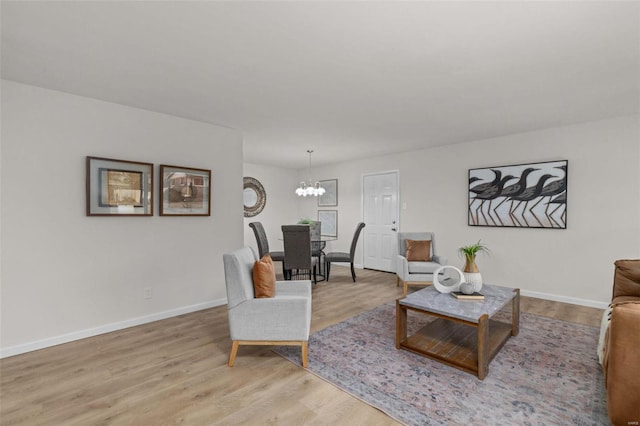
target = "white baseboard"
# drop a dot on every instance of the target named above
(107, 328)
(565, 299)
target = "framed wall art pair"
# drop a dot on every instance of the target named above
(126, 188)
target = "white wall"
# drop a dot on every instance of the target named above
(573, 265)
(65, 275)
(281, 206)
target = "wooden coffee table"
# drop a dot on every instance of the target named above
(464, 334)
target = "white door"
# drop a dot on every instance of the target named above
(380, 210)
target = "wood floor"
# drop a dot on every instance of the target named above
(174, 371)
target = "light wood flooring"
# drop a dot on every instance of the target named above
(175, 371)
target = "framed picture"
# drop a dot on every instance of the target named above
(185, 191)
(118, 187)
(532, 195)
(329, 220)
(330, 197)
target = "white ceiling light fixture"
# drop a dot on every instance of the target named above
(310, 189)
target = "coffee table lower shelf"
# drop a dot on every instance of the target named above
(460, 345)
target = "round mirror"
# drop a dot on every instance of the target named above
(250, 197)
(254, 197)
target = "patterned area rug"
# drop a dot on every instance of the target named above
(547, 375)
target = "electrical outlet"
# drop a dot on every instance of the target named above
(147, 293)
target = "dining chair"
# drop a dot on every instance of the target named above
(297, 252)
(344, 257)
(263, 243)
(317, 245)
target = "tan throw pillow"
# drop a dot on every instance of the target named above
(418, 250)
(264, 277)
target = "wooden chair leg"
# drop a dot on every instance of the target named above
(405, 288)
(397, 281)
(305, 354)
(234, 352)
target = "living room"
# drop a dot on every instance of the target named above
(66, 276)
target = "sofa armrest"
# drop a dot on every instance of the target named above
(622, 364)
(293, 287)
(277, 318)
(402, 267)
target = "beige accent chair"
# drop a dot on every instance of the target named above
(284, 319)
(416, 273)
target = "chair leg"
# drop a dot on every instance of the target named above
(305, 354)
(353, 273)
(405, 288)
(315, 278)
(397, 281)
(327, 270)
(234, 352)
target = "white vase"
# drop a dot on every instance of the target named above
(474, 278)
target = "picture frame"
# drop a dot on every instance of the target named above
(118, 187)
(330, 197)
(185, 191)
(329, 221)
(532, 195)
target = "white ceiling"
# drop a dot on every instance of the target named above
(347, 79)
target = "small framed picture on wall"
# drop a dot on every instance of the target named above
(329, 220)
(119, 187)
(330, 197)
(185, 191)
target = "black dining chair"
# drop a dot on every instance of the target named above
(297, 252)
(317, 245)
(343, 257)
(263, 243)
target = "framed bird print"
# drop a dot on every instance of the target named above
(530, 195)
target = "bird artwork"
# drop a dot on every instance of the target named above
(482, 187)
(527, 196)
(489, 195)
(537, 198)
(561, 204)
(514, 190)
(551, 190)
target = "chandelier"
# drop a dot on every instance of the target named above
(311, 188)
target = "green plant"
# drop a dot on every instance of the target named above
(469, 252)
(305, 221)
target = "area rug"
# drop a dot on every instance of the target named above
(547, 375)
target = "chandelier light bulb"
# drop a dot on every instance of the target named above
(310, 189)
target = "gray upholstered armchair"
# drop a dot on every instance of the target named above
(416, 272)
(284, 319)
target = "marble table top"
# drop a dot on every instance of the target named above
(431, 300)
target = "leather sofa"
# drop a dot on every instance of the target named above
(621, 360)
